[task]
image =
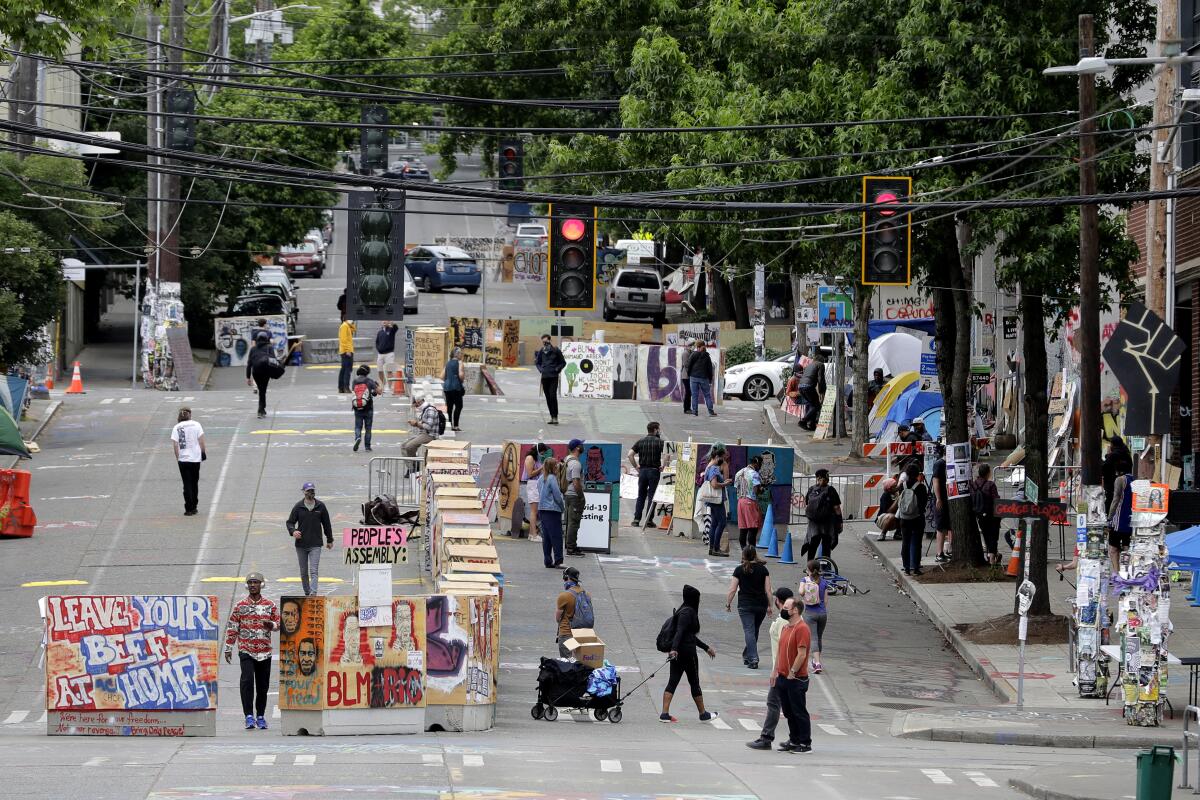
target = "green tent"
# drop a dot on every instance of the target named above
(11, 443)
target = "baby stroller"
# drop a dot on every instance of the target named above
(564, 684)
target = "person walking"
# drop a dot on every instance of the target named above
(701, 374)
(1120, 519)
(812, 386)
(187, 438)
(550, 513)
(1118, 461)
(791, 678)
(751, 582)
(258, 369)
(716, 479)
(346, 333)
(532, 476)
(306, 524)
(425, 424)
(984, 495)
(364, 390)
(683, 657)
(910, 508)
(688, 350)
(249, 631)
(941, 504)
(573, 495)
(767, 736)
(453, 388)
(647, 459)
(260, 326)
(823, 507)
(572, 598)
(550, 362)
(746, 485)
(385, 351)
(813, 592)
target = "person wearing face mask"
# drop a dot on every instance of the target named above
(791, 679)
(764, 740)
(249, 630)
(550, 363)
(306, 524)
(683, 657)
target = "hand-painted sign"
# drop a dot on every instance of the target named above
(1145, 354)
(1054, 513)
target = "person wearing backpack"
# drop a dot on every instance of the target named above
(683, 628)
(823, 507)
(259, 370)
(910, 508)
(813, 591)
(363, 392)
(1120, 519)
(573, 609)
(983, 503)
(429, 423)
(453, 388)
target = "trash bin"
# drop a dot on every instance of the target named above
(1155, 773)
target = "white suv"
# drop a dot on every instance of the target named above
(635, 292)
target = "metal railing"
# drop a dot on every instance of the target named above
(1190, 713)
(855, 499)
(391, 475)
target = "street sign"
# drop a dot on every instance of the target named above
(835, 309)
(1031, 491)
(1010, 327)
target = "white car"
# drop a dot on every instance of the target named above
(758, 380)
(411, 298)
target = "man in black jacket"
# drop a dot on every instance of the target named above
(684, 660)
(258, 368)
(550, 362)
(306, 524)
(700, 375)
(812, 386)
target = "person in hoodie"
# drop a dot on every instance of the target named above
(258, 368)
(683, 656)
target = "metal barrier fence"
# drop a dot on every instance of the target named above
(855, 491)
(1063, 483)
(390, 475)
(1190, 713)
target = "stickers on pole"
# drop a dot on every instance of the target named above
(1149, 503)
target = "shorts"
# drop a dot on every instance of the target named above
(533, 491)
(385, 359)
(941, 519)
(1119, 540)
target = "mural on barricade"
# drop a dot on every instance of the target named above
(234, 338)
(660, 369)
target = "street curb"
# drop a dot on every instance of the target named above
(769, 414)
(51, 410)
(999, 687)
(1028, 738)
(1042, 793)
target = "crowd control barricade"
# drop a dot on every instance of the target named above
(395, 476)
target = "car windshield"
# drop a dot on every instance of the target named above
(293, 249)
(638, 280)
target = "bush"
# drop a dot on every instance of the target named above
(742, 353)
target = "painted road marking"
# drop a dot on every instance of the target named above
(748, 724)
(42, 719)
(432, 758)
(979, 779)
(321, 579)
(264, 760)
(608, 765)
(71, 582)
(937, 776)
(651, 767)
(470, 760)
(15, 717)
(721, 724)
(107, 401)
(95, 761)
(832, 730)
(275, 712)
(305, 760)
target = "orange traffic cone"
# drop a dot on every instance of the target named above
(398, 383)
(76, 386)
(49, 382)
(1014, 563)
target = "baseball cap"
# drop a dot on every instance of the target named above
(308, 485)
(256, 576)
(906, 423)
(571, 445)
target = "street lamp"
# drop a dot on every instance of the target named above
(252, 36)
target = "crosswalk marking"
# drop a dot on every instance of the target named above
(95, 761)
(937, 776)
(305, 760)
(610, 765)
(979, 779)
(264, 760)
(832, 730)
(721, 724)
(107, 401)
(15, 717)
(42, 719)
(432, 758)
(748, 724)
(651, 767)
(125, 400)
(275, 710)
(470, 760)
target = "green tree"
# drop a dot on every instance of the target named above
(30, 289)
(49, 27)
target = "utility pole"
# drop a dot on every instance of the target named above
(169, 268)
(153, 178)
(22, 94)
(262, 48)
(1089, 272)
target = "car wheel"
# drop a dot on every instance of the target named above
(472, 289)
(757, 388)
(320, 273)
(608, 315)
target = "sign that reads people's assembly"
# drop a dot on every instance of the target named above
(375, 544)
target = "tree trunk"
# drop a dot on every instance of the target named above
(862, 311)
(1037, 424)
(740, 312)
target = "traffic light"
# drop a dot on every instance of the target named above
(511, 164)
(373, 140)
(886, 232)
(375, 256)
(180, 130)
(572, 242)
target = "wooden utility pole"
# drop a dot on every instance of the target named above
(1089, 272)
(21, 96)
(153, 179)
(169, 268)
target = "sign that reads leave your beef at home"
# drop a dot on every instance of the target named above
(375, 544)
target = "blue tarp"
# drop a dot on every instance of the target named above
(1183, 548)
(912, 403)
(12, 394)
(877, 328)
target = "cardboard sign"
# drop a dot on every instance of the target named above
(374, 536)
(1150, 498)
(1054, 513)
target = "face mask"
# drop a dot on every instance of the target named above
(784, 614)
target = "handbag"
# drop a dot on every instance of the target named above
(274, 368)
(708, 494)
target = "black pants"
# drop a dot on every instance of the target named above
(911, 531)
(793, 702)
(812, 413)
(685, 664)
(261, 379)
(989, 528)
(454, 405)
(256, 678)
(647, 486)
(190, 472)
(747, 536)
(344, 372)
(550, 389)
(687, 394)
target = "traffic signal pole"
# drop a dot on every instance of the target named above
(1089, 272)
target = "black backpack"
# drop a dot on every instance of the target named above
(818, 507)
(441, 422)
(666, 635)
(982, 502)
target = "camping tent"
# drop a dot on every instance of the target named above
(894, 353)
(11, 443)
(887, 396)
(1183, 549)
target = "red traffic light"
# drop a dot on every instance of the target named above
(886, 198)
(572, 229)
(509, 152)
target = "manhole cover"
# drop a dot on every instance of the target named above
(898, 706)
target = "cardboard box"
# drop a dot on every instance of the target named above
(586, 647)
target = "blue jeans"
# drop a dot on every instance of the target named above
(716, 524)
(752, 619)
(793, 702)
(647, 486)
(700, 387)
(344, 372)
(911, 533)
(552, 537)
(363, 418)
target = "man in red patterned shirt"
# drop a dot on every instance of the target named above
(250, 626)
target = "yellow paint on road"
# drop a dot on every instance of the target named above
(71, 582)
(281, 430)
(404, 581)
(339, 366)
(322, 579)
(233, 579)
(333, 431)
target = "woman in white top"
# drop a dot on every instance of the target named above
(187, 437)
(532, 475)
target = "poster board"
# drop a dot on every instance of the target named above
(529, 260)
(302, 653)
(131, 652)
(430, 352)
(684, 334)
(462, 649)
(600, 504)
(776, 473)
(501, 337)
(233, 342)
(686, 482)
(589, 372)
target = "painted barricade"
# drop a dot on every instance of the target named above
(660, 370)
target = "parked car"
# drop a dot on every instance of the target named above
(757, 380)
(275, 276)
(411, 297)
(275, 289)
(534, 230)
(409, 170)
(315, 236)
(301, 259)
(635, 292)
(437, 266)
(259, 305)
